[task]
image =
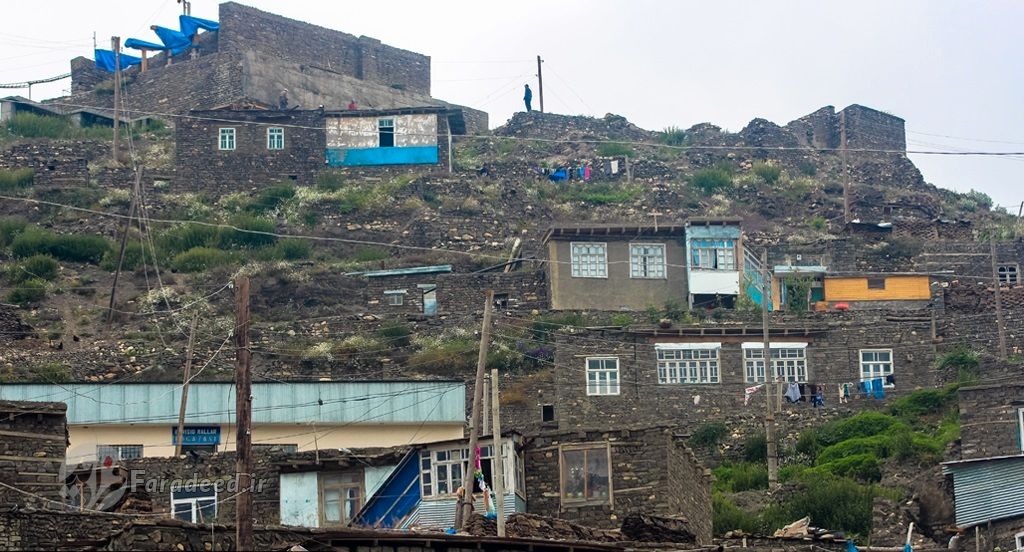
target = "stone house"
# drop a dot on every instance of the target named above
(33, 440)
(598, 477)
(988, 479)
(879, 290)
(616, 267)
(232, 147)
(688, 374)
(715, 261)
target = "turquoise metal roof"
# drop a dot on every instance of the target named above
(403, 271)
(370, 402)
(987, 489)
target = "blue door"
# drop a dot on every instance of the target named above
(430, 301)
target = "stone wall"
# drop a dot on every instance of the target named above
(868, 128)
(33, 440)
(651, 472)
(990, 420)
(39, 530)
(459, 294)
(85, 75)
(247, 29)
(54, 162)
(566, 127)
(201, 166)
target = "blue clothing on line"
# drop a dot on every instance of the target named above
(879, 388)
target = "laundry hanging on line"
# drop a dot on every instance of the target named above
(750, 391)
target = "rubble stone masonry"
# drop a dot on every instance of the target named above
(33, 440)
(990, 420)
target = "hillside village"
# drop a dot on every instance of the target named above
(550, 335)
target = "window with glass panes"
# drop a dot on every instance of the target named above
(602, 376)
(1009, 273)
(441, 471)
(341, 497)
(116, 453)
(788, 364)
(585, 474)
(647, 260)
(227, 139)
(194, 504)
(696, 365)
(589, 260)
(713, 254)
(275, 138)
(875, 363)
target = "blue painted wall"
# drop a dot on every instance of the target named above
(362, 157)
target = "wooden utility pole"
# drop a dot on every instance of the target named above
(846, 168)
(243, 418)
(136, 195)
(184, 386)
(540, 83)
(115, 44)
(1000, 323)
(499, 454)
(474, 418)
(769, 388)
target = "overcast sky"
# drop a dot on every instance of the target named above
(952, 69)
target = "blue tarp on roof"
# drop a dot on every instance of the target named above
(143, 45)
(176, 41)
(105, 60)
(191, 25)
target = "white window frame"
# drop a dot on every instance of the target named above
(871, 369)
(454, 461)
(275, 138)
(1018, 540)
(587, 263)
(386, 123)
(689, 363)
(647, 264)
(226, 139)
(1020, 427)
(395, 298)
(788, 362)
(119, 451)
(194, 501)
(713, 254)
(602, 380)
(1009, 273)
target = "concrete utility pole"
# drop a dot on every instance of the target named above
(499, 455)
(474, 419)
(184, 386)
(540, 83)
(846, 168)
(769, 389)
(243, 418)
(1000, 324)
(115, 45)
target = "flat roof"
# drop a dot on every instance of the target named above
(436, 269)
(330, 402)
(711, 221)
(574, 230)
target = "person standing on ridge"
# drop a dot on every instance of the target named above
(352, 106)
(527, 97)
(282, 100)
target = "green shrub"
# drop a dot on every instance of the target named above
(200, 259)
(768, 172)
(51, 372)
(370, 254)
(30, 291)
(133, 258)
(395, 334)
(77, 196)
(879, 446)
(66, 247)
(291, 250)
(269, 199)
(450, 356)
(807, 168)
(42, 267)
(603, 193)
(614, 149)
(543, 327)
(247, 232)
(755, 448)
(182, 237)
(709, 435)
(837, 503)
(929, 401)
(808, 445)
(735, 478)
(726, 517)
(30, 125)
(711, 180)
(818, 223)
(330, 180)
(864, 424)
(962, 359)
(11, 179)
(10, 227)
(673, 136)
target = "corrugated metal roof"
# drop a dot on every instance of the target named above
(273, 403)
(403, 271)
(988, 490)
